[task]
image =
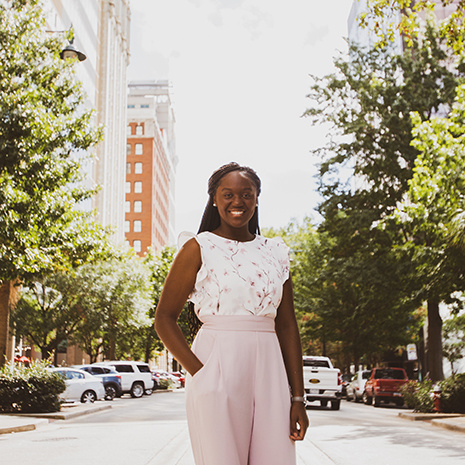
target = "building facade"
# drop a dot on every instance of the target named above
(150, 166)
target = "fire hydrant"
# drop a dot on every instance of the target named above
(437, 398)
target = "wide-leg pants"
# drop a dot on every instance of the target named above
(238, 403)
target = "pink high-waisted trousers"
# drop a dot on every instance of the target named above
(238, 403)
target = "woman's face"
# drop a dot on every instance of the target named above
(236, 200)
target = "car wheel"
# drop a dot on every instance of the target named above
(366, 398)
(376, 401)
(356, 399)
(110, 392)
(323, 403)
(137, 390)
(148, 392)
(335, 404)
(88, 397)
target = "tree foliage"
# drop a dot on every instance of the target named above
(451, 28)
(368, 284)
(45, 133)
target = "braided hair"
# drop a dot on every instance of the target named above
(211, 219)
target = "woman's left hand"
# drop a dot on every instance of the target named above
(299, 421)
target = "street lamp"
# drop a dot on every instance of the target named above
(71, 52)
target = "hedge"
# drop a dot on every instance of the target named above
(33, 389)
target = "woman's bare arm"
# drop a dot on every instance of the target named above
(291, 348)
(178, 285)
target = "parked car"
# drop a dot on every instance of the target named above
(346, 377)
(169, 378)
(110, 377)
(356, 387)
(384, 386)
(80, 385)
(322, 382)
(181, 377)
(136, 378)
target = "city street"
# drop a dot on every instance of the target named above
(153, 431)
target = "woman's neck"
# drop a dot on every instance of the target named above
(240, 235)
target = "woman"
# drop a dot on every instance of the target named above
(244, 391)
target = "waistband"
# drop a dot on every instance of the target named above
(238, 323)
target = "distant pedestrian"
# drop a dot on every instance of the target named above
(244, 391)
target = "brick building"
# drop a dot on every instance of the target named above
(150, 166)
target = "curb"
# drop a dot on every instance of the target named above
(20, 427)
(428, 416)
(77, 411)
(457, 425)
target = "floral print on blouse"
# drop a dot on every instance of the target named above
(239, 278)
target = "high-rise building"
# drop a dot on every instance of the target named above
(150, 166)
(101, 31)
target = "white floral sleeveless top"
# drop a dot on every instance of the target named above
(239, 278)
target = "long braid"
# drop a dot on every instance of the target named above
(211, 220)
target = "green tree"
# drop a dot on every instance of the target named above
(454, 339)
(428, 217)
(113, 299)
(408, 25)
(369, 282)
(44, 133)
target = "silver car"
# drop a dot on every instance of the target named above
(80, 385)
(356, 387)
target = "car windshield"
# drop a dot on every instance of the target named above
(389, 374)
(366, 375)
(316, 363)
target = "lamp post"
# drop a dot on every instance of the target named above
(70, 51)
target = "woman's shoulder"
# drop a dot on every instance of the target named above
(189, 237)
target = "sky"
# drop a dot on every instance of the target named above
(240, 73)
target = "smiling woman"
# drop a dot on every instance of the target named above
(241, 290)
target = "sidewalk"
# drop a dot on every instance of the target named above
(31, 421)
(451, 421)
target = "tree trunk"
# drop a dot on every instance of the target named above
(433, 343)
(9, 295)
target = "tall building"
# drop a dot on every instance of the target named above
(150, 166)
(101, 31)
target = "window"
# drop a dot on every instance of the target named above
(138, 168)
(138, 187)
(128, 187)
(137, 206)
(127, 226)
(129, 131)
(124, 368)
(137, 246)
(131, 106)
(127, 206)
(144, 105)
(139, 130)
(138, 149)
(128, 168)
(128, 149)
(137, 226)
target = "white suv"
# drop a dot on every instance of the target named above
(136, 378)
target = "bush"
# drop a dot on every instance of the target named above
(417, 396)
(32, 389)
(165, 384)
(453, 394)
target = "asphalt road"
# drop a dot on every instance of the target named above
(153, 431)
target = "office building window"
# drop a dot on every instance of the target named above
(138, 168)
(127, 226)
(139, 130)
(128, 168)
(127, 206)
(137, 226)
(138, 149)
(129, 130)
(138, 187)
(137, 246)
(128, 149)
(128, 187)
(144, 106)
(137, 206)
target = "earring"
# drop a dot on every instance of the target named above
(214, 204)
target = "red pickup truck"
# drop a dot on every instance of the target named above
(384, 386)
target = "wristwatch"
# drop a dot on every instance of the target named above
(299, 399)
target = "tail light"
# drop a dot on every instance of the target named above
(339, 378)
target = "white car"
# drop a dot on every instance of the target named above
(80, 386)
(136, 377)
(356, 387)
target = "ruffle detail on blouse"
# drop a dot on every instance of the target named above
(198, 294)
(283, 258)
(184, 237)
